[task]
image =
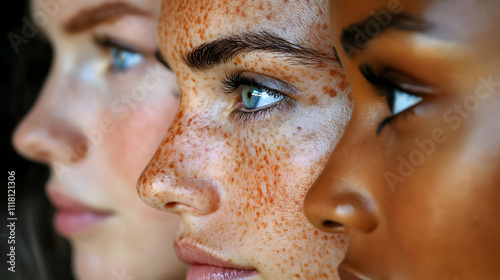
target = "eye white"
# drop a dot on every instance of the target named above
(403, 101)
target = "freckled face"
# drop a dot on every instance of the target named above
(236, 167)
(419, 200)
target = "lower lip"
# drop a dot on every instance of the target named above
(206, 272)
(77, 222)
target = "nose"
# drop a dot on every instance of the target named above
(343, 198)
(334, 207)
(180, 177)
(46, 134)
(167, 192)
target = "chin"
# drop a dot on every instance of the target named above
(91, 263)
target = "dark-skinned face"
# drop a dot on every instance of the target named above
(414, 179)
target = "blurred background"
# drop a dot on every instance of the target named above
(40, 253)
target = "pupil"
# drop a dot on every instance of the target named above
(249, 94)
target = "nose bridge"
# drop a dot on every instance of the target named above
(178, 178)
(351, 155)
(47, 133)
(343, 196)
(358, 159)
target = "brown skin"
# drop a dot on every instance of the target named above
(239, 184)
(440, 219)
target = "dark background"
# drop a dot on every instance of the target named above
(40, 253)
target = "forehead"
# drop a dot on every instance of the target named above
(50, 14)
(471, 24)
(452, 16)
(185, 24)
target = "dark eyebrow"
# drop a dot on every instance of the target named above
(364, 30)
(106, 12)
(210, 54)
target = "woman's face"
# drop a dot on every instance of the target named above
(414, 180)
(263, 103)
(102, 111)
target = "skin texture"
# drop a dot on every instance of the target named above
(82, 92)
(239, 182)
(435, 216)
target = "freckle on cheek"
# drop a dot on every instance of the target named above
(330, 91)
(313, 100)
(343, 85)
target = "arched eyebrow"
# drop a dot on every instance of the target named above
(103, 13)
(225, 49)
(405, 22)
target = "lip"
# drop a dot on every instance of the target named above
(72, 217)
(349, 273)
(205, 266)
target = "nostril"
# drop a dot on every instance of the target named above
(178, 207)
(172, 193)
(332, 224)
(170, 205)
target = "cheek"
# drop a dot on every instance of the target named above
(136, 135)
(272, 164)
(258, 163)
(459, 210)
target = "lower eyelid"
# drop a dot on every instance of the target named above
(244, 117)
(395, 119)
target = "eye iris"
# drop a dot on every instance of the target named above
(123, 59)
(252, 95)
(255, 97)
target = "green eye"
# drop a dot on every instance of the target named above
(255, 97)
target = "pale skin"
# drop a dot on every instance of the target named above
(418, 199)
(236, 177)
(97, 136)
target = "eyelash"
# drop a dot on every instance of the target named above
(395, 118)
(384, 87)
(232, 82)
(107, 43)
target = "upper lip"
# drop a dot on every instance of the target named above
(194, 255)
(63, 202)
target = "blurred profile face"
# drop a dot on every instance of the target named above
(263, 103)
(102, 112)
(414, 179)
